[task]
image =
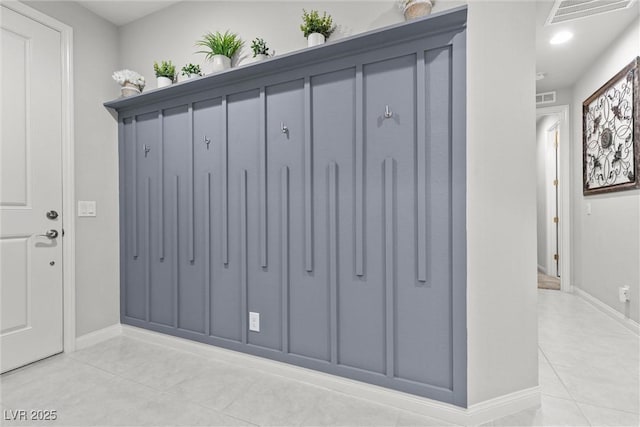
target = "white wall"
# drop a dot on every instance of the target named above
(607, 242)
(501, 201)
(542, 188)
(95, 44)
(157, 37)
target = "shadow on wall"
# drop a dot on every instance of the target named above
(381, 21)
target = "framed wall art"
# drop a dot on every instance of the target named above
(611, 134)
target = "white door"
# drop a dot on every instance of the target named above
(30, 187)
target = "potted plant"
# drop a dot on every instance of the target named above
(132, 83)
(165, 72)
(191, 70)
(260, 49)
(220, 48)
(316, 28)
(415, 8)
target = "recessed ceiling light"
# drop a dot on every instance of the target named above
(561, 37)
(540, 76)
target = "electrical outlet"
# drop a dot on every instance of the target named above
(623, 294)
(254, 321)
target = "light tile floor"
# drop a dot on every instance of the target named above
(588, 373)
(588, 367)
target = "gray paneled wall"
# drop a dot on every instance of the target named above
(324, 198)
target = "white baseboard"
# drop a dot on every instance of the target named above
(98, 336)
(610, 311)
(475, 415)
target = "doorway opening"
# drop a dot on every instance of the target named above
(552, 191)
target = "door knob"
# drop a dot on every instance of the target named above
(50, 234)
(52, 214)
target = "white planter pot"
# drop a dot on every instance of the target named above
(260, 57)
(417, 8)
(315, 39)
(129, 89)
(220, 63)
(164, 81)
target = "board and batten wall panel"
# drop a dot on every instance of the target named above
(321, 197)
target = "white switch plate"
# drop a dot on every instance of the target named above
(588, 208)
(623, 294)
(254, 321)
(86, 208)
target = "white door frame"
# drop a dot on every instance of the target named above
(564, 205)
(68, 169)
(550, 196)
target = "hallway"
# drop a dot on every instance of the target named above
(588, 375)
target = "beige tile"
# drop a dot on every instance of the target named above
(215, 385)
(120, 355)
(601, 388)
(605, 351)
(166, 369)
(276, 401)
(37, 370)
(50, 383)
(335, 409)
(550, 384)
(553, 412)
(609, 417)
(161, 409)
(408, 419)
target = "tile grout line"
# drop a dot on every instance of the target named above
(573, 399)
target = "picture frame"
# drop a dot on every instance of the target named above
(611, 134)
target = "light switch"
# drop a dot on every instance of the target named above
(254, 321)
(86, 208)
(588, 206)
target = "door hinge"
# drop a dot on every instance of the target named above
(556, 257)
(555, 182)
(63, 232)
(555, 219)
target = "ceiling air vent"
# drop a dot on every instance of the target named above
(545, 98)
(568, 10)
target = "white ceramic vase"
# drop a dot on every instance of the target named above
(129, 89)
(220, 63)
(164, 81)
(315, 39)
(260, 57)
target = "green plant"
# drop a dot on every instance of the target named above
(191, 69)
(165, 69)
(312, 22)
(226, 44)
(259, 47)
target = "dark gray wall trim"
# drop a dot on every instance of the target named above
(288, 191)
